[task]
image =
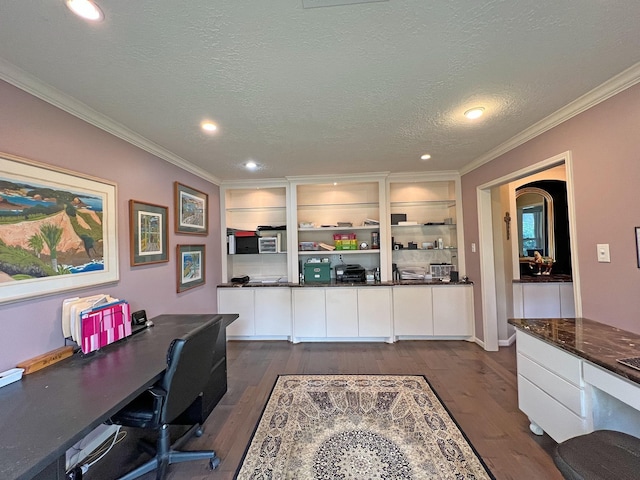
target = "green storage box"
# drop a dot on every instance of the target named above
(317, 272)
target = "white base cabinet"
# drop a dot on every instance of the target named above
(543, 300)
(412, 311)
(370, 312)
(263, 312)
(309, 313)
(433, 311)
(452, 310)
(342, 312)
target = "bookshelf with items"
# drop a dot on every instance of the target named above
(339, 220)
(254, 233)
(425, 231)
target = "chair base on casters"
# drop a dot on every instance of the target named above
(599, 455)
(166, 454)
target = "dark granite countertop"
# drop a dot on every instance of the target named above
(558, 278)
(333, 283)
(596, 342)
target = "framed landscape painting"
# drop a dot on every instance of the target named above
(191, 272)
(192, 210)
(57, 230)
(148, 233)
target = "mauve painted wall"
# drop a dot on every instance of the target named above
(605, 145)
(33, 129)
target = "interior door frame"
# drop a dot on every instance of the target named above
(486, 240)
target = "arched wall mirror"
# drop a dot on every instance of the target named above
(535, 221)
(543, 225)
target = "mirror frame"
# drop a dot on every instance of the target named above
(551, 239)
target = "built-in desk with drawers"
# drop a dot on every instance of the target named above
(569, 382)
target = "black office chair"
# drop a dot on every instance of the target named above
(599, 455)
(189, 362)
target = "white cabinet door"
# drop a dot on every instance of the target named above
(342, 312)
(309, 312)
(273, 311)
(238, 300)
(541, 300)
(412, 310)
(374, 312)
(452, 310)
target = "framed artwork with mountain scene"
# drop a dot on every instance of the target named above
(57, 230)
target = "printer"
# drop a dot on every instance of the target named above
(352, 273)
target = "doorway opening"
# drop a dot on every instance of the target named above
(496, 282)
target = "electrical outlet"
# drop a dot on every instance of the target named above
(473, 248)
(603, 253)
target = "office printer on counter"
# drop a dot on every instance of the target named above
(353, 273)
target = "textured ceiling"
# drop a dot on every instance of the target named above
(345, 89)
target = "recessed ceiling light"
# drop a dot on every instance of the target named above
(209, 126)
(426, 156)
(474, 113)
(251, 165)
(85, 9)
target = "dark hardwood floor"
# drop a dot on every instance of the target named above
(477, 387)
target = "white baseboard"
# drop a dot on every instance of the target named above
(508, 342)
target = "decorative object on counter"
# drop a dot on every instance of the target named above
(191, 210)
(363, 246)
(453, 276)
(541, 265)
(412, 246)
(46, 359)
(421, 440)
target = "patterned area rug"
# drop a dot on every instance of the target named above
(358, 427)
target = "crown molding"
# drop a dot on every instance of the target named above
(30, 84)
(608, 89)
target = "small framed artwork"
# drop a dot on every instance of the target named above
(191, 271)
(148, 233)
(192, 210)
(638, 245)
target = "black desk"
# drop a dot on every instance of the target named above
(48, 411)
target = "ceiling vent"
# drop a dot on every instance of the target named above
(333, 3)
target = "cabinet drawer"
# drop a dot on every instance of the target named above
(555, 419)
(557, 387)
(553, 359)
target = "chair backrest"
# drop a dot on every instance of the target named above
(189, 362)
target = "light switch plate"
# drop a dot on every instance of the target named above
(603, 253)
